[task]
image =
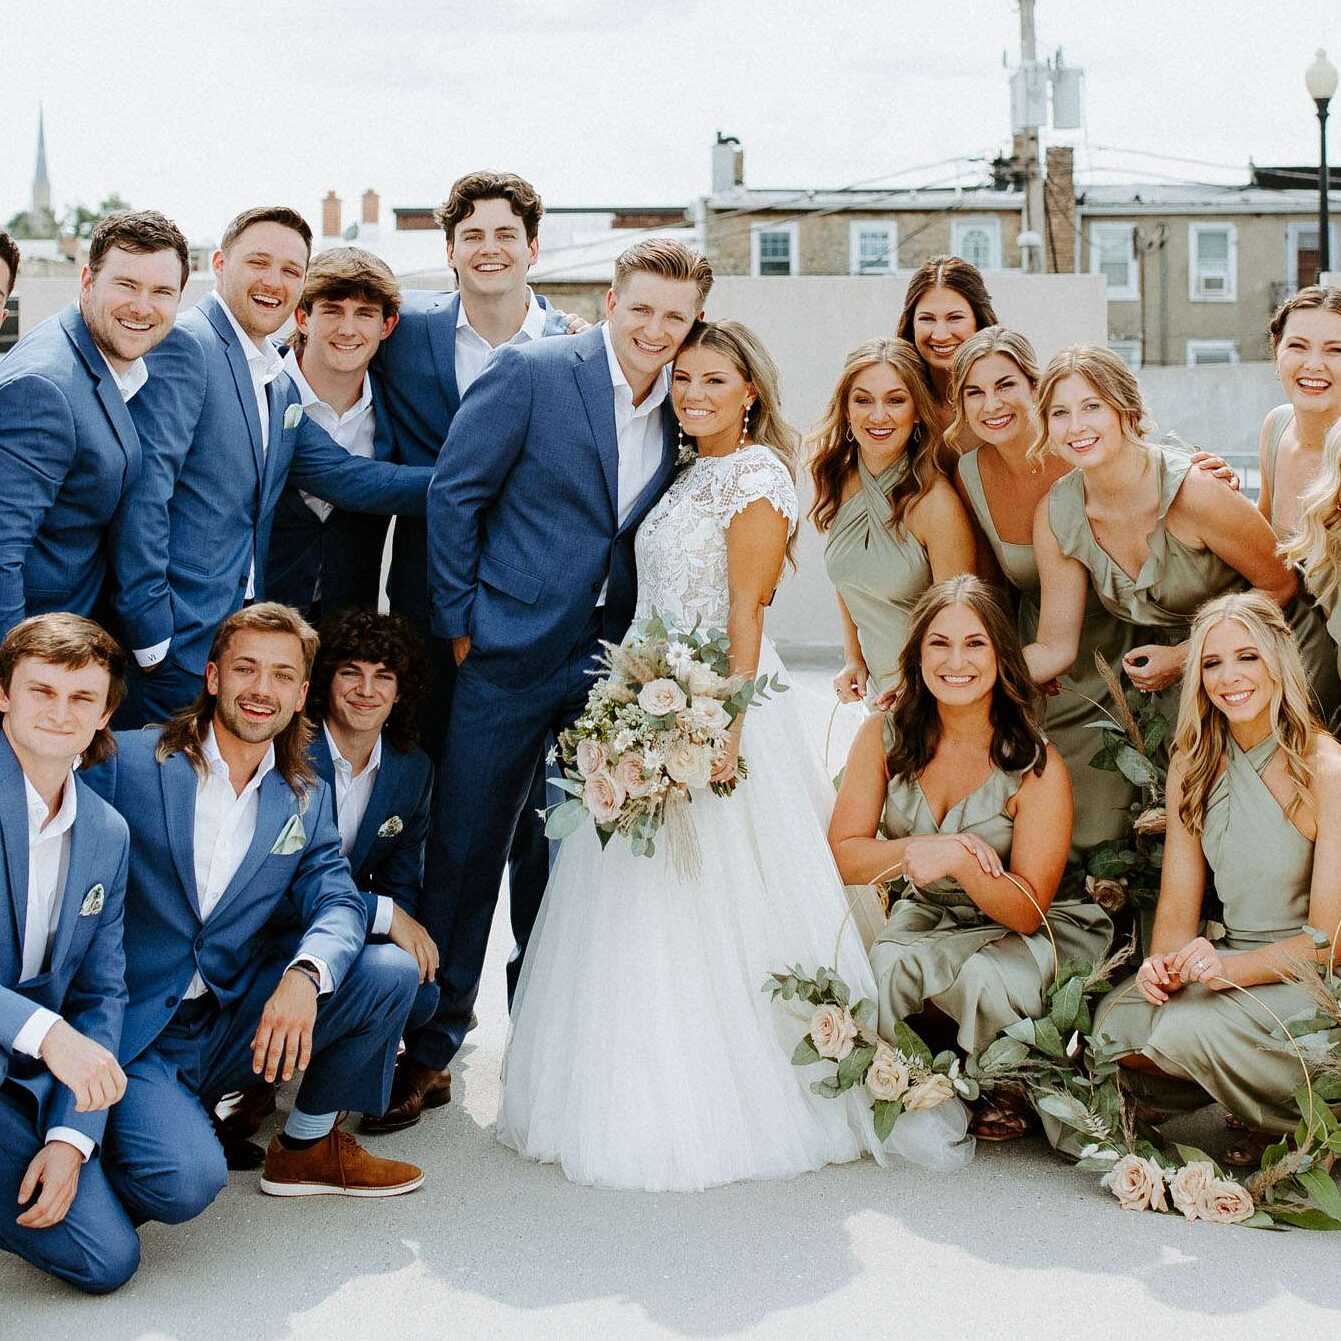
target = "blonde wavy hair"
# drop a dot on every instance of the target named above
(990, 340)
(1315, 543)
(1202, 739)
(1113, 383)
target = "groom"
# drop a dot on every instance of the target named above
(556, 454)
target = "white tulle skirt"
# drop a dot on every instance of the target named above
(643, 1052)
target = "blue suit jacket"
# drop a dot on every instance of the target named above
(391, 864)
(344, 552)
(85, 981)
(68, 454)
(167, 941)
(417, 365)
(522, 513)
(208, 491)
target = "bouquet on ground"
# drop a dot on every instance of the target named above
(654, 728)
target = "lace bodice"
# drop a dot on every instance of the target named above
(681, 544)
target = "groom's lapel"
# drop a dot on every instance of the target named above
(598, 396)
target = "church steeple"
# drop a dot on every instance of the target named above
(41, 203)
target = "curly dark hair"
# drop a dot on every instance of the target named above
(366, 635)
(1017, 743)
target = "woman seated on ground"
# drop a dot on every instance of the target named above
(892, 521)
(951, 790)
(1247, 750)
(1154, 536)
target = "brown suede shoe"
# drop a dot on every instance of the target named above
(414, 1087)
(336, 1164)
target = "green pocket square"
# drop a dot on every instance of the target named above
(292, 838)
(92, 904)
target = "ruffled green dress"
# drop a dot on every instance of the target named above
(880, 572)
(1316, 635)
(937, 946)
(1219, 1046)
(1174, 579)
(1101, 796)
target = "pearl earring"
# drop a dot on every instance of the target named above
(744, 427)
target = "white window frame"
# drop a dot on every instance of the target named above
(1130, 292)
(891, 231)
(1230, 293)
(1292, 235)
(1129, 351)
(992, 225)
(793, 247)
(1195, 347)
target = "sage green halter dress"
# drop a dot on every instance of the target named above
(1315, 633)
(879, 571)
(1220, 1045)
(1101, 796)
(1174, 579)
(938, 946)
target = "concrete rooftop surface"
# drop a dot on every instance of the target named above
(1016, 1245)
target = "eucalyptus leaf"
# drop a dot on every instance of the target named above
(884, 1114)
(1136, 767)
(565, 819)
(1066, 1005)
(805, 1054)
(852, 1069)
(1323, 1190)
(1307, 1219)
(1047, 1040)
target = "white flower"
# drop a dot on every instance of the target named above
(833, 1031)
(703, 680)
(1096, 1151)
(1190, 1184)
(679, 656)
(661, 698)
(654, 760)
(1226, 1203)
(888, 1077)
(1137, 1183)
(623, 740)
(707, 714)
(934, 1090)
(689, 763)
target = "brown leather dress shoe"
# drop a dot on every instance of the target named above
(337, 1164)
(414, 1087)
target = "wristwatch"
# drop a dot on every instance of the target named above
(309, 971)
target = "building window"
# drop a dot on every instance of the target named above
(9, 325)
(1212, 269)
(773, 249)
(978, 241)
(1203, 352)
(1302, 256)
(874, 248)
(1129, 351)
(1113, 255)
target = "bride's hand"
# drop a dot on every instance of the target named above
(724, 769)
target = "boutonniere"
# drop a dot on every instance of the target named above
(92, 904)
(391, 828)
(292, 415)
(292, 838)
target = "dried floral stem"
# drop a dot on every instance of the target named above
(1120, 702)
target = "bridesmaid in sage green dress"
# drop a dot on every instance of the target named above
(1255, 794)
(893, 524)
(944, 794)
(1151, 535)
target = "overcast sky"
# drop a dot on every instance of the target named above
(604, 102)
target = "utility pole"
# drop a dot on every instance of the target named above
(1026, 140)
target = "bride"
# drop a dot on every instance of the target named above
(643, 1052)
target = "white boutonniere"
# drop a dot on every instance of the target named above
(93, 902)
(292, 415)
(292, 838)
(391, 828)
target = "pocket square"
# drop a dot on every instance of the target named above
(390, 828)
(292, 838)
(92, 904)
(292, 415)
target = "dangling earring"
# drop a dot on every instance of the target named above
(679, 437)
(684, 451)
(744, 427)
(915, 437)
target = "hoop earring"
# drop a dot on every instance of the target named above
(744, 427)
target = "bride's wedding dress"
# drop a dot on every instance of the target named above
(643, 1052)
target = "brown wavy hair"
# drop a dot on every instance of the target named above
(833, 449)
(1315, 296)
(1018, 745)
(366, 635)
(946, 272)
(183, 732)
(1113, 383)
(469, 190)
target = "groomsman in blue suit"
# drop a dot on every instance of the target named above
(324, 559)
(492, 226)
(558, 452)
(69, 453)
(229, 825)
(224, 432)
(62, 973)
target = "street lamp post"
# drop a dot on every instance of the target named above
(1320, 79)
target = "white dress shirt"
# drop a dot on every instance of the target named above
(353, 430)
(48, 865)
(130, 381)
(352, 794)
(638, 433)
(473, 351)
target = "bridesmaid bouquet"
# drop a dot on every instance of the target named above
(898, 1077)
(651, 733)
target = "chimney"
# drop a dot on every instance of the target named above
(1060, 235)
(371, 204)
(330, 215)
(728, 164)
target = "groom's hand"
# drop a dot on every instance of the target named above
(461, 648)
(84, 1067)
(283, 1039)
(55, 1168)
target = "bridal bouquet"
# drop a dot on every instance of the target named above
(652, 731)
